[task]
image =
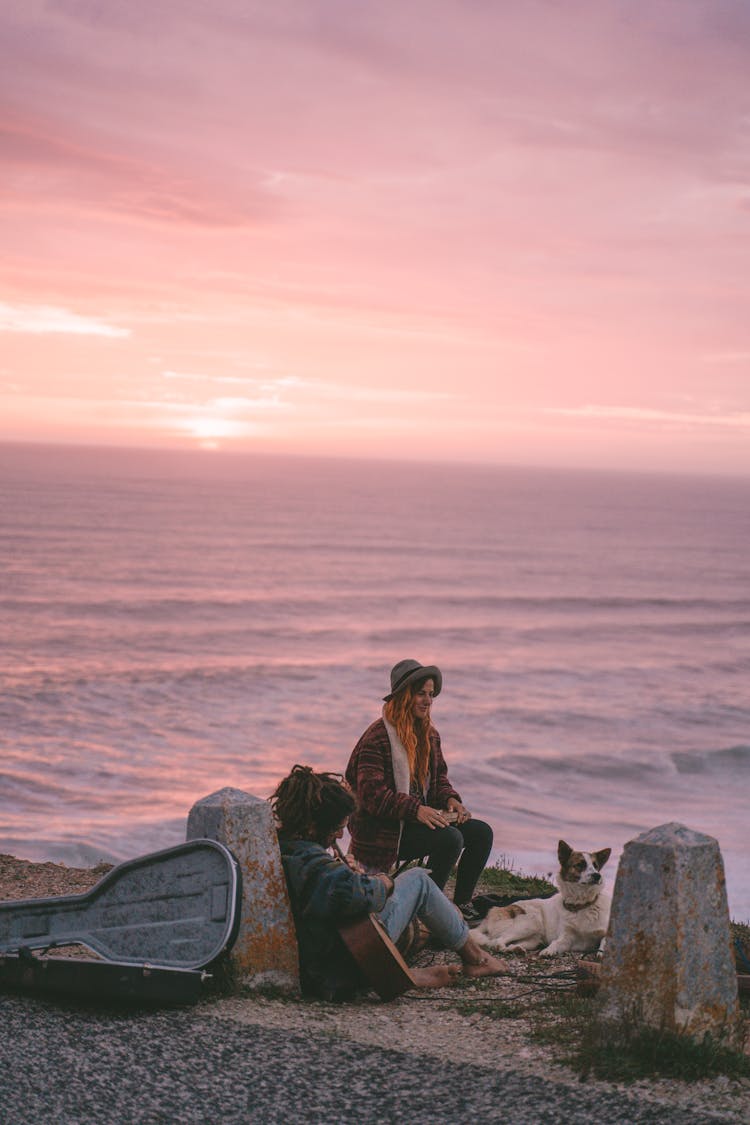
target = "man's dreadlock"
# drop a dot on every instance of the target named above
(311, 806)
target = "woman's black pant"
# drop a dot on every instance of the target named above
(443, 846)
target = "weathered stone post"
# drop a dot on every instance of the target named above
(668, 960)
(265, 952)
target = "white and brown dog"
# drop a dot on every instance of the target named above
(573, 921)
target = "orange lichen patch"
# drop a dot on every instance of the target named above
(266, 951)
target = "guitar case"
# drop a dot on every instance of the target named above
(172, 909)
(98, 980)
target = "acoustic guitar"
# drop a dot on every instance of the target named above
(375, 954)
(377, 957)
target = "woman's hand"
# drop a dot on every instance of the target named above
(433, 818)
(462, 813)
(354, 864)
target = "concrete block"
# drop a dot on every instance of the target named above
(265, 952)
(668, 959)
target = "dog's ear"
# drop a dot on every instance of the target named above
(564, 852)
(600, 858)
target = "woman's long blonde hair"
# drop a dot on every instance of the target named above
(413, 731)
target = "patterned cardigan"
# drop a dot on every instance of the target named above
(379, 775)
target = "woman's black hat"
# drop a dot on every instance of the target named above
(408, 671)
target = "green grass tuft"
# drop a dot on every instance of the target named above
(497, 1010)
(502, 879)
(625, 1053)
(741, 937)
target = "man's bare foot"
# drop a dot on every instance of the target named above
(478, 962)
(436, 976)
(488, 966)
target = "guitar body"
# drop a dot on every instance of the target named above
(377, 957)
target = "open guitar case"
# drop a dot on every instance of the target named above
(156, 925)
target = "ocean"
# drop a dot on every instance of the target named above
(175, 622)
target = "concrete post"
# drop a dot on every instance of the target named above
(265, 952)
(668, 959)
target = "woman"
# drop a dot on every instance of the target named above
(312, 810)
(399, 774)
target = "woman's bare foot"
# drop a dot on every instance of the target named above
(436, 976)
(478, 962)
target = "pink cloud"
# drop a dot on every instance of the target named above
(67, 170)
(531, 203)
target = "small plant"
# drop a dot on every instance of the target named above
(741, 946)
(561, 1020)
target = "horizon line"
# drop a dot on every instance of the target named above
(214, 453)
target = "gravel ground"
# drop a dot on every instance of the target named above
(249, 1058)
(67, 1065)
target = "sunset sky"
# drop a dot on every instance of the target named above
(495, 230)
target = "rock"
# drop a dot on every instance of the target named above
(265, 952)
(668, 960)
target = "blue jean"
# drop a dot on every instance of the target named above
(414, 893)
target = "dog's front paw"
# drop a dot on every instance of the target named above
(553, 949)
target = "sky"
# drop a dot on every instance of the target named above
(512, 231)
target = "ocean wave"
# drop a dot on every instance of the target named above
(111, 844)
(732, 760)
(20, 788)
(591, 766)
(284, 603)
